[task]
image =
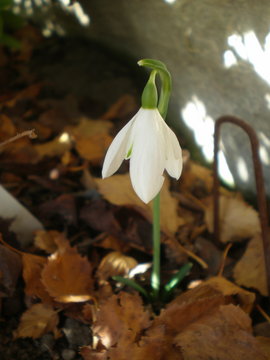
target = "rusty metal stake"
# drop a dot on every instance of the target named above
(261, 197)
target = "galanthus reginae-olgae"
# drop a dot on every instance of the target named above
(151, 146)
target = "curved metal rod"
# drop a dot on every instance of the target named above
(258, 171)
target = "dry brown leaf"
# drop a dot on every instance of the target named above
(93, 148)
(7, 129)
(243, 297)
(264, 344)
(32, 268)
(29, 92)
(121, 108)
(117, 319)
(67, 276)
(88, 312)
(21, 151)
(196, 177)
(203, 299)
(55, 147)
(111, 242)
(92, 138)
(45, 240)
(238, 220)
(118, 190)
(250, 269)
(113, 264)
(223, 334)
(37, 321)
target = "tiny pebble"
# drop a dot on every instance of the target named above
(68, 354)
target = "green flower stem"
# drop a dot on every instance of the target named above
(155, 276)
(165, 92)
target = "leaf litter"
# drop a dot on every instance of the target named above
(96, 229)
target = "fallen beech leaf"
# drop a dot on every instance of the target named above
(7, 129)
(93, 148)
(121, 108)
(224, 334)
(55, 147)
(91, 138)
(30, 92)
(154, 348)
(113, 264)
(123, 222)
(250, 269)
(21, 151)
(45, 240)
(244, 298)
(32, 268)
(238, 220)
(264, 344)
(118, 190)
(117, 320)
(63, 207)
(196, 179)
(111, 242)
(37, 321)
(89, 354)
(67, 276)
(203, 299)
(88, 311)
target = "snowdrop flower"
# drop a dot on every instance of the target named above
(151, 146)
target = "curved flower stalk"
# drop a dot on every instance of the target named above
(151, 146)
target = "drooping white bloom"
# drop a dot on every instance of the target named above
(151, 147)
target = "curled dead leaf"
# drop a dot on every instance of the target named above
(32, 268)
(250, 269)
(37, 321)
(45, 240)
(238, 220)
(113, 264)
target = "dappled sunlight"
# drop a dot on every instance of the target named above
(242, 169)
(248, 48)
(170, 1)
(75, 9)
(229, 59)
(224, 171)
(264, 148)
(264, 155)
(196, 118)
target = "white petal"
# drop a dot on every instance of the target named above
(148, 155)
(174, 163)
(117, 150)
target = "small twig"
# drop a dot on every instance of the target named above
(224, 257)
(30, 133)
(193, 256)
(261, 197)
(264, 314)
